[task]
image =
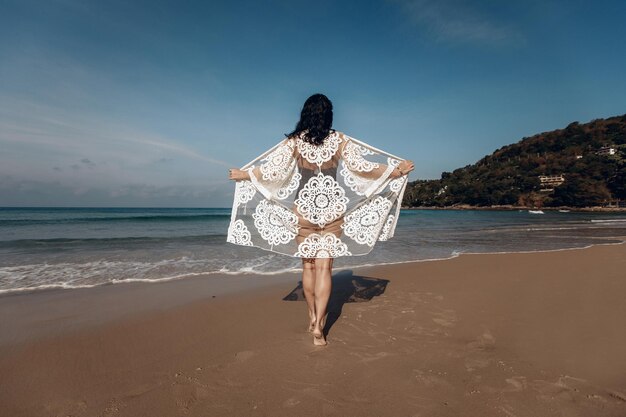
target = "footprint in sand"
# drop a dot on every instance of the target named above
(472, 364)
(488, 338)
(507, 410)
(479, 351)
(485, 341)
(445, 317)
(188, 395)
(291, 402)
(618, 396)
(66, 407)
(517, 383)
(430, 379)
(244, 355)
(369, 357)
(113, 408)
(443, 322)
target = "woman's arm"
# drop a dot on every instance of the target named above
(238, 174)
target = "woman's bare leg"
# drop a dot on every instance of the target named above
(308, 285)
(323, 287)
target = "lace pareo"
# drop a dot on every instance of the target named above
(302, 200)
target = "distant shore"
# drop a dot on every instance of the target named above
(524, 208)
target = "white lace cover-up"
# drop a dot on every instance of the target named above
(302, 200)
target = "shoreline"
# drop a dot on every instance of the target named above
(596, 209)
(479, 334)
(221, 275)
(205, 287)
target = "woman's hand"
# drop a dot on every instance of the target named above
(238, 175)
(405, 167)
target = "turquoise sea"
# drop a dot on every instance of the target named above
(84, 247)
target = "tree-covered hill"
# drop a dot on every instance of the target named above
(589, 159)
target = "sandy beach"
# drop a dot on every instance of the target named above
(521, 334)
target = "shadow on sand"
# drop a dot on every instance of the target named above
(347, 288)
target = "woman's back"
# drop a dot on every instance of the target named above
(333, 199)
(307, 155)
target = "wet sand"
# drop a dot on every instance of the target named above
(525, 334)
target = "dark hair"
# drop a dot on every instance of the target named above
(316, 119)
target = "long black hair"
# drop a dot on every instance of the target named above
(316, 119)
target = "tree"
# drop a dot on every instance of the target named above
(580, 192)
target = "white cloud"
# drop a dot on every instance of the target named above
(459, 21)
(25, 127)
(86, 159)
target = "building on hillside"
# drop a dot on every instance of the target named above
(548, 182)
(606, 150)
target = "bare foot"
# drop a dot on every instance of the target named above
(318, 337)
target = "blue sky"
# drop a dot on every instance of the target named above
(119, 103)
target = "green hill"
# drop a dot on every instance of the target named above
(584, 165)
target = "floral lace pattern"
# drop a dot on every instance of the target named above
(276, 164)
(286, 191)
(276, 224)
(396, 185)
(318, 154)
(244, 192)
(238, 234)
(322, 200)
(386, 232)
(353, 157)
(363, 224)
(356, 184)
(322, 246)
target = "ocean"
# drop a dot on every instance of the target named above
(85, 247)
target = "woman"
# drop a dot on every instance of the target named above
(315, 196)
